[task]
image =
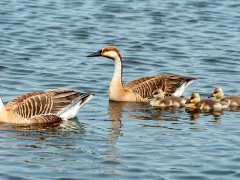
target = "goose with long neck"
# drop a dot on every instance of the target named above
(140, 89)
(51, 106)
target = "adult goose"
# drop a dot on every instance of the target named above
(140, 89)
(219, 96)
(51, 106)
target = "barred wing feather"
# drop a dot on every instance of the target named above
(46, 102)
(169, 83)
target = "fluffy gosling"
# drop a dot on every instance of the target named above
(195, 102)
(219, 96)
(158, 99)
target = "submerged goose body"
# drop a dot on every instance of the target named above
(195, 102)
(140, 89)
(158, 99)
(219, 96)
(51, 106)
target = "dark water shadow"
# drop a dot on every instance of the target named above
(138, 111)
(44, 135)
(143, 111)
(65, 127)
(119, 111)
(195, 114)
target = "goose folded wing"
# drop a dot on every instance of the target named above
(169, 83)
(43, 103)
(45, 118)
(138, 81)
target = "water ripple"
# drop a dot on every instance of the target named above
(44, 44)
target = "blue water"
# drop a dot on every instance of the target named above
(44, 44)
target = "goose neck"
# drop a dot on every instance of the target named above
(117, 76)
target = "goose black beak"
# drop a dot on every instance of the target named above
(95, 54)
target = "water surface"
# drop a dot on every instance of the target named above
(44, 44)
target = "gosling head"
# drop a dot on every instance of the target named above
(110, 52)
(157, 94)
(193, 99)
(217, 93)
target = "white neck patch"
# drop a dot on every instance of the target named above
(118, 68)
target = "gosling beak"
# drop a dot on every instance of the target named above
(211, 95)
(95, 54)
(188, 101)
(150, 97)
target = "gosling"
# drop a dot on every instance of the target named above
(158, 99)
(195, 102)
(219, 96)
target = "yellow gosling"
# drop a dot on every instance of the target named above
(158, 99)
(140, 89)
(219, 96)
(195, 102)
(52, 106)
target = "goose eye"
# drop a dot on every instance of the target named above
(155, 92)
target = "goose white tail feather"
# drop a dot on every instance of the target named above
(179, 92)
(1, 104)
(71, 111)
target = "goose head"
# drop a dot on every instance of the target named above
(193, 99)
(217, 93)
(110, 52)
